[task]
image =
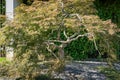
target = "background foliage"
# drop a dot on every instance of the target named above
(2, 12)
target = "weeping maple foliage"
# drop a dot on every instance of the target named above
(35, 24)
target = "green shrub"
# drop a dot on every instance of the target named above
(108, 9)
(81, 49)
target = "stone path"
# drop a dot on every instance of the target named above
(84, 70)
(81, 70)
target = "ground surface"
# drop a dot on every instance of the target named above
(84, 70)
(81, 70)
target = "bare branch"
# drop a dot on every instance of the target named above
(77, 15)
(75, 34)
(65, 34)
(95, 44)
(48, 48)
(57, 41)
(69, 40)
(86, 34)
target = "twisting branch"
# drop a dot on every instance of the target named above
(63, 44)
(72, 36)
(61, 25)
(95, 44)
(77, 15)
(65, 34)
(73, 39)
(69, 40)
(48, 48)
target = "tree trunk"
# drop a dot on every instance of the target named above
(61, 53)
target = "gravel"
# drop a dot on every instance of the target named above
(84, 70)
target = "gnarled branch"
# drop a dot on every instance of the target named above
(68, 39)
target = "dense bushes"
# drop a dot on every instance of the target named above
(108, 9)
